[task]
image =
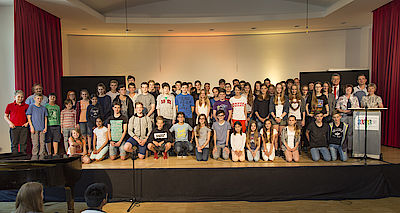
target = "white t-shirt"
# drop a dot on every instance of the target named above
(112, 95)
(290, 139)
(101, 135)
(297, 112)
(279, 108)
(238, 106)
(238, 141)
(274, 132)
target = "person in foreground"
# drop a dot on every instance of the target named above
(95, 197)
(338, 137)
(290, 140)
(238, 141)
(317, 133)
(29, 198)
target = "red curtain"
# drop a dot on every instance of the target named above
(37, 46)
(386, 67)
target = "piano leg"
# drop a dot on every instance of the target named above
(69, 195)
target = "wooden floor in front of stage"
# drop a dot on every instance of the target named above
(391, 155)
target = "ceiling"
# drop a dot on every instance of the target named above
(207, 17)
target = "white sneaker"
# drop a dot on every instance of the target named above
(184, 156)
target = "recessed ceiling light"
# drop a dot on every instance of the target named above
(212, 29)
(83, 28)
(343, 22)
(296, 26)
(127, 30)
(253, 28)
(170, 30)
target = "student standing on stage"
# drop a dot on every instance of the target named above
(223, 105)
(221, 136)
(166, 106)
(290, 140)
(279, 108)
(297, 106)
(327, 91)
(113, 90)
(15, 115)
(104, 100)
(269, 136)
(132, 93)
(160, 139)
(196, 94)
(117, 132)
(71, 95)
(94, 111)
(207, 89)
(202, 135)
(178, 86)
(81, 111)
(248, 94)
(203, 106)
(185, 104)
(147, 100)
(37, 118)
(257, 88)
(68, 122)
(182, 144)
(239, 112)
(343, 105)
(238, 141)
(361, 90)
(127, 108)
(317, 103)
(253, 143)
(131, 80)
(261, 106)
(221, 83)
(77, 146)
(229, 92)
(53, 134)
(139, 128)
(37, 89)
(317, 134)
(100, 141)
(338, 137)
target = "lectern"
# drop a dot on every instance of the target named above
(367, 132)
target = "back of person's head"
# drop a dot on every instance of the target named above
(29, 198)
(96, 195)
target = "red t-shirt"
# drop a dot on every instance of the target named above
(17, 113)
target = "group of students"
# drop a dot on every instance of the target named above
(271, 120)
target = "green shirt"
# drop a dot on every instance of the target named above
(54, 115)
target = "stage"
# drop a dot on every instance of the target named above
(181, 180)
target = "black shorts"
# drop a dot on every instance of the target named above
(53, 134)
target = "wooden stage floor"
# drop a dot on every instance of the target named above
(390, 155)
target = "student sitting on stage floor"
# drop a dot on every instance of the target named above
(253, 142)
(181, 129)
(37, 118)
(53, 134)
(139, 129)
(77, 145)
(160, 139)
(202, 135)
(15, 115)
(290, 140)
(268, 136)
(238, 141)
(100, 141)
(221, 136)
(117, 132)
(317, 133)
(338, 137)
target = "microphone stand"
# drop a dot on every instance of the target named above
(133, 200)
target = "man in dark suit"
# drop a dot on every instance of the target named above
(337, 89)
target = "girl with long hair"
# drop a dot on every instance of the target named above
(297, 105)
(318, 102)
(77, 145)
(269, 136)
(203, 106)
(238, 141)
(29, 198)
(250, 100)
(202, 135)
(253, 143)
(290, 140)
(261, 106)
(327, 91)
(71, 95)
(279, 108)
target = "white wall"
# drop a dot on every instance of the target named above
(7, 80)
(251, 57)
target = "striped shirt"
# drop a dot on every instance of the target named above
(68, 118)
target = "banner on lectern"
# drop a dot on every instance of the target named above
(372, 122)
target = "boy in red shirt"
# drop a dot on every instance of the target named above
(15, 115)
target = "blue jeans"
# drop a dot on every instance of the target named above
(203, 155)
(337, 148)
(324, 151)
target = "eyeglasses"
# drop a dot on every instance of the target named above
(220, 115)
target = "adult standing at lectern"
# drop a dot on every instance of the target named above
(371, 100)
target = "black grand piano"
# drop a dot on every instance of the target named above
(16, 169)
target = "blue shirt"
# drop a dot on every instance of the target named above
(38, 118)
(30, 100)
(185, 103)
